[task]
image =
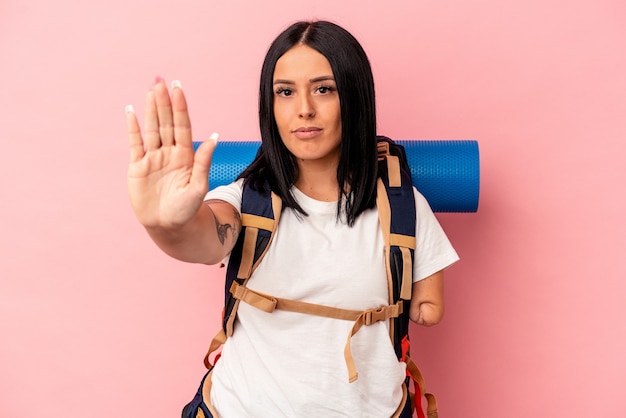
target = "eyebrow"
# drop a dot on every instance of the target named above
(313, 80)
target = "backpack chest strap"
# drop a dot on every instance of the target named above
(269, 304)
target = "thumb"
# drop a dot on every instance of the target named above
(202, 163)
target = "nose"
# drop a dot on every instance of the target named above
(307, 110)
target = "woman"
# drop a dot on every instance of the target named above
(319, 154)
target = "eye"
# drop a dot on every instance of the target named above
(325, 89)
(285, 92)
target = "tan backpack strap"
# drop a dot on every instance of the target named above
(256, 221)
(393, 164)
(217, 342)
(393, 168)
(416, 375)
(367, 318)
(253, 223)
(406, 291)
(432, 411)
(247, 252)
(269, 304)
(406, 397)
(384, 217)
(404, 242)
(247, 265)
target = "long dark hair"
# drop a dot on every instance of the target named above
(355, 86)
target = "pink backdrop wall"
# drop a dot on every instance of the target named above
(94, 318)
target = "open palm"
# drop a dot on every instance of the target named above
(167, 181)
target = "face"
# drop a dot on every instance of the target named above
(306, 106)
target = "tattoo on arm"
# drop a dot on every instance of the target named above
(222, 229)
(237, 227)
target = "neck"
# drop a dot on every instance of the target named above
(317, 181)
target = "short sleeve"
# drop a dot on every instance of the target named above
(434, 251)
(230, 193)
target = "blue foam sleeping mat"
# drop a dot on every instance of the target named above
(446, 172)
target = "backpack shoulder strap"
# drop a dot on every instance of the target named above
(396, 210)
(260, 212)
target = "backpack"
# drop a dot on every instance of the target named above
(260, 213)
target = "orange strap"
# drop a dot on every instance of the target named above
(269, 303)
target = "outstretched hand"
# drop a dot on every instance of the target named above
(167, 181)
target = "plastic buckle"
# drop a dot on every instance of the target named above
(374, 315)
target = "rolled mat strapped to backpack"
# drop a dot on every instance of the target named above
(446, 172)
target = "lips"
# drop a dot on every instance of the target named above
(307, 132)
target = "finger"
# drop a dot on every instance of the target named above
(134, 135)
(164, 112)
(202, 164)
(151, 135)
(182, 123)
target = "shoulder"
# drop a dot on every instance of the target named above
(421, 204)
(230, 193)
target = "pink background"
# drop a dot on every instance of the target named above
(96, 321)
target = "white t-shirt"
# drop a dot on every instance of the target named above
(287, 364)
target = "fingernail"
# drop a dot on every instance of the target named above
(158, 79)
(129, 109)
(176, 84)
(214, 137)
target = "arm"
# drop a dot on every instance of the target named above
(167, 182)
(207, 239)
(427, 305)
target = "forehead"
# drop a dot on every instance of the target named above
(302, 62)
